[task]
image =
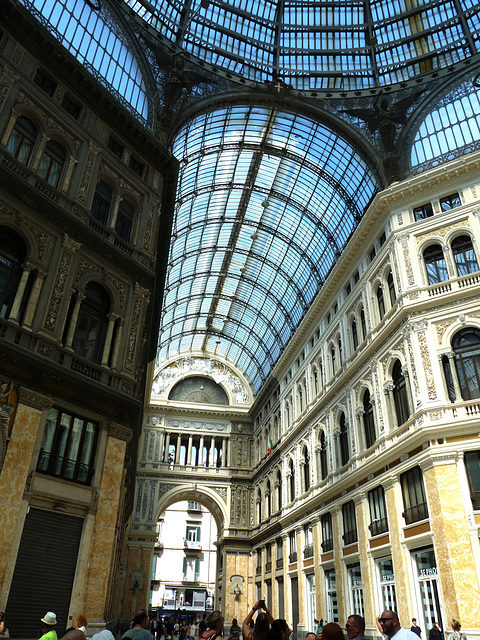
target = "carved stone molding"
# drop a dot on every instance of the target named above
(34, 399)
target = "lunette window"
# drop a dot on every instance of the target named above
(68, 447)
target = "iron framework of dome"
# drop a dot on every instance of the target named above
(269, 191)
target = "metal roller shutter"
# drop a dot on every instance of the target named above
(44, 572)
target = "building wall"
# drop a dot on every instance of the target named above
(51, 382)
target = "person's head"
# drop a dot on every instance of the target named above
(332, 631)
(389, 622)
(48, 621)
(141, 619)
(311, 636)
(234, 622)
(2, 616)
(214, 620)
(414, 621)
(81, 621)
(262, 626)
(456, 626)
(279, 630)
(355, 626)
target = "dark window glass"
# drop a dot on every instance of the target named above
(423, 211)
(450, 202)
(448, 378)
(102, 201)
(292, 482)
(356, 277)
(68, 447)
(306, 469)
(400, 395)
(466, 345)
(464, 255)
(378, 511)
(327, 532)
(334, 363)
(115, 147)
(472, 462)
(414, 499)
(354, 335)
(349, 289)
(435, 264)
(52, 163)
(364, 324)
(380, 302)
(373, 253)
(44, 82)
(124, 223)
(391, 289)
(12, 256)
(22, 139)
(349, 523)
(368, 420)
(71, 106)
(136, 166)
(92, 323)
(323, 456)
(383, 239)
(343, 438)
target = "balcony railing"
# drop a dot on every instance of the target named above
(308, 551)
(349, 537)
(60, 467)
(416, 513)
(268, 567)
(327, 545)
(378, 526)
(279, 563)
(292, 557)
(191, 545)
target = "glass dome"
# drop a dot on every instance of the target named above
(343, 45)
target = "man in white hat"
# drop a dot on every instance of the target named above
(49, 621)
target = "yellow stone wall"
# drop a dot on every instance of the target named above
(453, 549)
(12, 486)
(103, 539)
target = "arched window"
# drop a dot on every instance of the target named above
(363, 322)
(89, 338)
(323, 456)
(259, 507)
(52, 162)
(334, 363)
(368, 420)
(340, 352)
(124, 223)
(380, 302)
(300, 398)
(306, 469)
(12, 256)
(464, 255)
(22, 139)
(315, 380)
(291, 481)
(391, 289)
(466, 346)
(343, 441)
(435, 264)
(102, 201)
(400, 394)
(354, 335)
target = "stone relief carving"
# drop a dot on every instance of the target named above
(208, 366)
(40, 237)
(427, 364)
(8, 78)
(222, 492)
(69, 247)
(199, 426)
(87, 174)
(443, 231)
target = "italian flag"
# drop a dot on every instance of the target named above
(270, 445)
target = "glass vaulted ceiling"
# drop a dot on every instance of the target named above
(326, 45)
(266, 202)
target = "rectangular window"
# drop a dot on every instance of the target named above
(356, 589)
(378, 511)
(44, 82)
(194, 506)
(450, 202)
(115, 147)
(386, 582)
(331, 589)
(71, 106)
(350, 534)
(423, 211)
(193, 534)
(68, 447)
(136, 166)
(427, 588)
(414, 499)
(327, 532)
(308, 534)
(383, 239)
(472, 463)
(279, 553)
(292, 538)
(373, 253)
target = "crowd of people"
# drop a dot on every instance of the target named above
(264, 627)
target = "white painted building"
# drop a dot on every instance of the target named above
(184, 563)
